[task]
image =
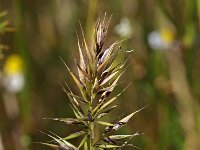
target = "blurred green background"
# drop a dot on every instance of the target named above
(164, 68)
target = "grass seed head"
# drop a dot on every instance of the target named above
(97, 77)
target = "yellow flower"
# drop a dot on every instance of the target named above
(167, 35)
(13, 65)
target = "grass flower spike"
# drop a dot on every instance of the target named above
(97, 78)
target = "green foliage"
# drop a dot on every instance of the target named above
(4, 27)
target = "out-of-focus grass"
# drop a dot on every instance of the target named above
(46, 30)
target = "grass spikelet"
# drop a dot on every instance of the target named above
(97, 77)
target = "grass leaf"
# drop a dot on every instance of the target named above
(74, 135)
(104, 123)
(83, 141)
(107, 146)
(77, 81)
(63, 143)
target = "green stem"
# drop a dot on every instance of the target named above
(91, 136)
(90, 123)
(91, 127)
